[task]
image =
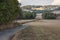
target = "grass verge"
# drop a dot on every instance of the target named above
(14, 24)
(9, 26)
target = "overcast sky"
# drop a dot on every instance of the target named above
(39, 2)
(56, 2)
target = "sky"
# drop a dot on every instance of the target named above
(56, 2)
(39, 2)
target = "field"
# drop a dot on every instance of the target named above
(41, 30)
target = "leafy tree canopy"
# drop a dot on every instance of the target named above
(8, 10)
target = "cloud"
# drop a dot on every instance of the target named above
(19, 1)
(35, 2)
(56, 2)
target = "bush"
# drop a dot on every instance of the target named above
(8, 10)
(49, 16)
(29, 15)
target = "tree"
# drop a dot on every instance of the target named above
(48, 15)
(29, 15)
(9, 10)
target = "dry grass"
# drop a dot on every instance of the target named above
(14, 24)
(38, 33)
(40, 30)
(46, 33)
(8, 26)
(25, 34)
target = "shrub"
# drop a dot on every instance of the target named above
(49, 16)
(8, 10)
(29, 15)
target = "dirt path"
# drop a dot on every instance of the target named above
(6, 34)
